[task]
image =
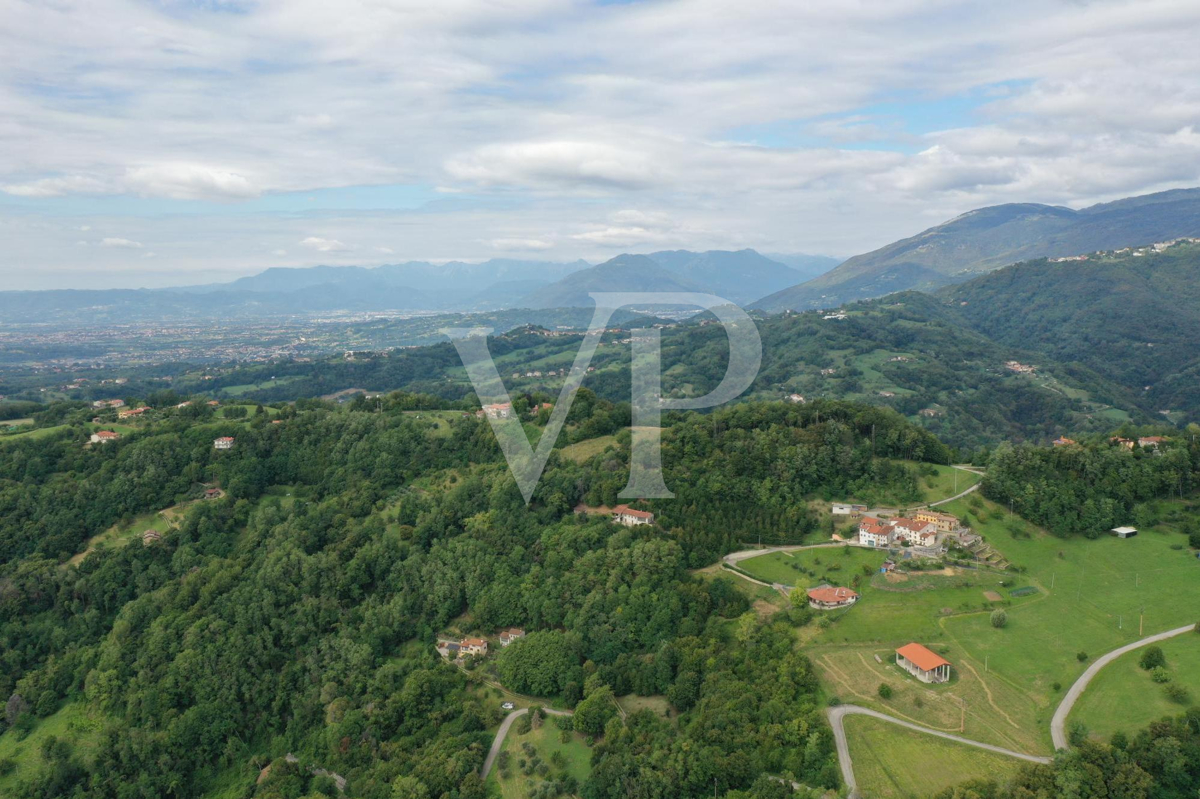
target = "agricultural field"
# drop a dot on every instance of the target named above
(1089, 598)
(891, 762)
(439, 421)
(808, 567)
(582, 451)
(1123, 697)
(540, 750)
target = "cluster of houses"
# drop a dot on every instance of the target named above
(1019, 368)
(478, 647)
(109, 403)
(499, 410)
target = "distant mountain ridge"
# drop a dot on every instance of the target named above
(989, 238)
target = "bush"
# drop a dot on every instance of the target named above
(885, 691)
(1160, 675)
(1152, 658)
(1056, 685)
(1081, 656)
(999, 619)
(1177, 693)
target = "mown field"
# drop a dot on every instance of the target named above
(1090, 599)
(891, 762)
(1124, 697)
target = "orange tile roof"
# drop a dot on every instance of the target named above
(921, 657)
(830, 594)
(473, 642)
(637, 514)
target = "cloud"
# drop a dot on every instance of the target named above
(323, 245)
(56, 187)
(122, 244)
(189, 182)
(555, 163)
(385, 250)
(518, 244)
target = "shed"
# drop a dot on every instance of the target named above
(1124, 532)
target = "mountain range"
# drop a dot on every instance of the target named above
(988, 238)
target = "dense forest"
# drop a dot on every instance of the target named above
(297, 613)
(1089, 489)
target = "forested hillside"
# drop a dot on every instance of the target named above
(297, 612)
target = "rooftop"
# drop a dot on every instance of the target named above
(921, 657)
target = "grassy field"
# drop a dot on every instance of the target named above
(584, 450)
(891, 762)
(1089, 600)
(947, 482)
(438, 421)
(71, 723)
(547, 745)
(120, 535)
(1123, 697)
(809, 567)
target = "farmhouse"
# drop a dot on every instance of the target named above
(500, 410)
(1151, 442)
(1063, 441)
(944, 522)
(625, 515)
(510, 635)
(916, 533)
(104, 436)
(224, 442)
(874, 533)
(473, 646)
(923, 664)
(109, 403)
(846, 509)
(131, 412)
(1124, 532)
(827, 597)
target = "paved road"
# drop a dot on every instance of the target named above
(960, 494)
(838, 714)
(498, 743)
(1059, 722)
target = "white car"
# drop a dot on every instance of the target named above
(507, 706)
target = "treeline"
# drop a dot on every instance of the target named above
(1089, 489)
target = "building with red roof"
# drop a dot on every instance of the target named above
(828, 597)
(623, 514)
(922, 663)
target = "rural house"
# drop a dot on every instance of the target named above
(104, 436)
(827, 597)
(510, 635)
(500, 410)
(627, 516)
(1124, 532)
(874, 533)
(224, 442)
(473, 646)
(925, 665)
(944, 522)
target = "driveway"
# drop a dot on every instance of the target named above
(498, 743)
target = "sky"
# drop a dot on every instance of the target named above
(174, 142)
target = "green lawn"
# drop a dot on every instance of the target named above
(891, 762)
(584, 450)
(1090, 598)
(513, 783)
(1123, 697)
(809, 567)
(72, 723)
(947, 482)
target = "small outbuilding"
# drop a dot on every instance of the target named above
(1124, 532)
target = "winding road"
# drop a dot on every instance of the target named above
(498, 743)
(1059, 722)
(837, 716)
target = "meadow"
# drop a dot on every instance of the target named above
(1092, 596)
(891, 762)
(569, 758)
(1124, 697)
(72, 723)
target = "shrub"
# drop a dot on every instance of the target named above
(1160, 675)
(999, 619)
(885, 691)
(1056, 685)
(1177, 693)
(1152, 658)
(1081, 656)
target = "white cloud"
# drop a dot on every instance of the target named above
(118, 243)
(279, 252)
(385, 250)
(56, 187)
(323, 245)
(189, 182)
(518, 244)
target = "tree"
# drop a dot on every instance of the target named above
(594, 711)
(1153, 658)
(541, 663)
(885, 691)
(999, 618)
